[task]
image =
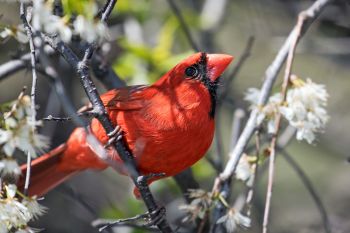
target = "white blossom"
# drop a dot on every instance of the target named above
(43, 19)
(18, 130)
(16, 32)
(3, 226)
(16, 214)
(233, 219)
(86, 27)
(305, 109)
(244, 170)
(26, 230)
(34, 208)
(11, 190)
(267, 111)
(9, 167)
(90, 30)
(199, 205)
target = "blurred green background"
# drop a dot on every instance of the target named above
(145, 41)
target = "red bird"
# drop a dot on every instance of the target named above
(168, 126)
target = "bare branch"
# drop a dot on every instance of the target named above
(270, 77)
(29, 32)
(82, 68)
(184, 25)
(285, 84)
(104, 224)
(105, 73)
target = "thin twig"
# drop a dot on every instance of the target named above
(285, 84)
(184, 25)
(108, 8)
(220, 209)
(104, 224)
(310, 188)
(58, 119)
(14, 106)
(270, 77)
(29, 32)
(250, 194)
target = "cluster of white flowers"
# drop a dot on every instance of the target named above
(88, 29)
(42, 18)
(304, 108)
(199, 205)
(233, 219)
(16, 131)
(15, 213)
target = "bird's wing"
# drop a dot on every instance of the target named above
(125, 99)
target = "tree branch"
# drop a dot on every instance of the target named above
(29, 32)
(270, 77)
(301, 19)
(184, 25)
(82, 68)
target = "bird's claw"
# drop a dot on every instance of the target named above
(155, 217)
(115, 135)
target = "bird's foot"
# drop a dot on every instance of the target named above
(155, 217)
(115, 135)
(149, 220)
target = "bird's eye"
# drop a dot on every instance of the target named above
(191, 71)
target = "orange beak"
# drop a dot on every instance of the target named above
(216, 64)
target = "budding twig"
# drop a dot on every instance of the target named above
(29, 32)
(270, 78)
(285, 84)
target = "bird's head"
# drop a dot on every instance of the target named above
(203, 67)
(200, 68)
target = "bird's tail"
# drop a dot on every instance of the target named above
(45, 173)
(53, 168)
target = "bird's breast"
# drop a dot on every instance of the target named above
(173, 135)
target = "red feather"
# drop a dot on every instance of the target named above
(167, 126)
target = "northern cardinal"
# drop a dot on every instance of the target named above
(168, 126)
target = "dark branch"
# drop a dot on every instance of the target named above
(82, 69)
(105, 73)
(184, 25)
